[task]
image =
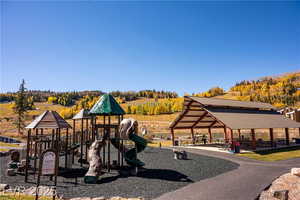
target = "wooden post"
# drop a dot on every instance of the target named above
(35, 150)
(271, 137)
(239, 131)
(104, 146)
(123, 148)
(27, 155)
(52, 139)
(231, 135)
(92, 129)
(173, 138)
(57, 146)
(44, 141)
(193, 137)
(81, 143)
(87, 138)
(118, 138)
(287, 136)
(66, 148)
(210, 136)
(86, 129)
(59, 134)
(73, 139)
(225, 135)
(253, 139)
(108, 145)
(122, 159)
(95, 128)
(41, 142)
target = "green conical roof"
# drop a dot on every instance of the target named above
(107, 105)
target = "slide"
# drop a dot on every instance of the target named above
(130, 155)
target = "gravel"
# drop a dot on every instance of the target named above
(161, 174)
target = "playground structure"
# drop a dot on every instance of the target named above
(52, 132)
(117, 134)
(41, 141)
(84, 137)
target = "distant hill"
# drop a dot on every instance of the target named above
(280, 91)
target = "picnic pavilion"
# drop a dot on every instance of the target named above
(232, 116)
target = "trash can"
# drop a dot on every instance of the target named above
(176, 143)
(237, 147)
(232, 146)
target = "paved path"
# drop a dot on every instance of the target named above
(244, 183)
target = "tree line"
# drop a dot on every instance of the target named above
(164, 106)
(215, 91)
(279, 91)
(70, 98)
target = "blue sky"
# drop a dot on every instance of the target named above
(175, 46)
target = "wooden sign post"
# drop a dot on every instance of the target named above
(48, 166)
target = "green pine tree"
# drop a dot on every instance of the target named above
(21, 107)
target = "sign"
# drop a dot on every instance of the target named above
(48, 163)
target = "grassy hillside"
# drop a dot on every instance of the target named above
(155, 109)
(154, 123)
(7, 116)
(280, 91)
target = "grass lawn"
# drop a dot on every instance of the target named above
(4, 144)
(3, 150)
(274, 154)
(164, 143)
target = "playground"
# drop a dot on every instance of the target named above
(161, 174)
(105, 157)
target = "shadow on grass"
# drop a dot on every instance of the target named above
(270, 151)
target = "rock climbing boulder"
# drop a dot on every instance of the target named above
(295, 171)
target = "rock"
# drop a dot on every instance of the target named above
(282, 194)
(99, 198)
(3, 187)
(135, 199)
(81, 198)
(10, 172)
(23, 162)
(286, 182)
(295, 171)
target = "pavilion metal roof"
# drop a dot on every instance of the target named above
(107, 105)
(220, 113)
(82, 114)
(49, 119)
(217, 102)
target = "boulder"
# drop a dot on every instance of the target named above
(117, 198)
(295, 171)
(10, 172)
(99, 198)
(23, 163)
(3, 187)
